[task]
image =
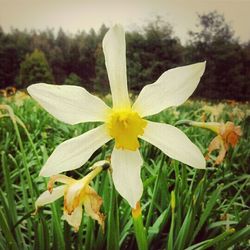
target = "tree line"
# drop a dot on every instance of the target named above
(41, 56)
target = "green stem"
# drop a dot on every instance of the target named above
(19, 139)
(213, 126)
(140, 232)
(113, 233)
(171, 233)
(236, 195)
(150, 211)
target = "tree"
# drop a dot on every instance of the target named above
(213, 27)
(9, 65)
(35, 68)
(13, 47)
(216, 44)
(73, 79)
(151, 52)
(88, 58)
(246, 72)
(100, 82)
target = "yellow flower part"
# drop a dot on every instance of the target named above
(136, 212)
(125, 125)
(77, 193)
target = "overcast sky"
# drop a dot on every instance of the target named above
(75, 15)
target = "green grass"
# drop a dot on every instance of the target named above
(211, 207)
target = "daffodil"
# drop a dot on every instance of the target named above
(124, 123)
(226, 134)
(77, 193)
(214, 111)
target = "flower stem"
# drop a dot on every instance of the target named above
(96, 169)
(140, 232)
(170, 244)
(213, 126)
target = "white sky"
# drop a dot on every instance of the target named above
(75, 15)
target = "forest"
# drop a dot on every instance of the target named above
(58, 57)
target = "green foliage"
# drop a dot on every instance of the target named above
(151, 50)
(35, 68)
(151, 53)
(211, 207)
(227, 73)
(101, 78)
(73, 79)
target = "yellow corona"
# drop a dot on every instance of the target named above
(125, 125)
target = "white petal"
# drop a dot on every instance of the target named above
(75, 218)
(174, 143)
(70, 104)
(114, 48)
(92, 204)
(72, 194)
(173, 88)
(47, 197)
(126, 166)
(74, 152)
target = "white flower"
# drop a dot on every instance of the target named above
(124, 123)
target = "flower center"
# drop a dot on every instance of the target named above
(125, 125)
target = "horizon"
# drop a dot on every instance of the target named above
(77, 16)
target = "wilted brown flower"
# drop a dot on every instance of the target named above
(228, 134)
(77, 194)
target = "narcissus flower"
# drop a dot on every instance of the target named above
(123, 122)
(227, 134)
(214, 111)
(77, 193)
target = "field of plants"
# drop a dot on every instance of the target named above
(182, 207)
